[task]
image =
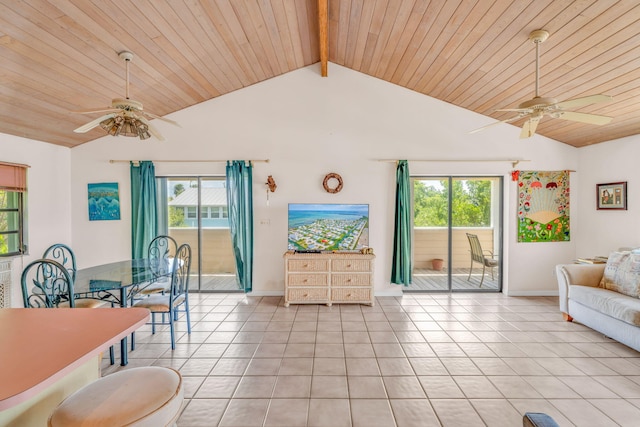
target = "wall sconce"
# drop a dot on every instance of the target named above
(271, 186)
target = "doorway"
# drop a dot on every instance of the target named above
(457, 234)
(193, 210)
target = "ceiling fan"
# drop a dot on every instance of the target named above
(538, 107)
(125, 116)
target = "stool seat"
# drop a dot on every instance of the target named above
(146, 396)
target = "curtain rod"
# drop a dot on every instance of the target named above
(514, 162)
(187, 161)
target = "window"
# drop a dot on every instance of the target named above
(204, 212)
(191, 212)
(13, 180)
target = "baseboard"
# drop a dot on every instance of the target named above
(265, 294)
(547, 293)
(391, 293)
(398, 293)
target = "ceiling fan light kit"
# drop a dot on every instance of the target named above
(126, 116)
(535, 109)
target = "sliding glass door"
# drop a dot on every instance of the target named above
(457, 234)
(193, 210)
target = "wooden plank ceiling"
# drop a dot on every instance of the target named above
(61, 55)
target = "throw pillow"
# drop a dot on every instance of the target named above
(630, 279)
(623, 275)
(612, 269)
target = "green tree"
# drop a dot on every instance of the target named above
(471, 203)
(176, 217)
(178, 189)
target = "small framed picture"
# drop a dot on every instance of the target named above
(612, 196)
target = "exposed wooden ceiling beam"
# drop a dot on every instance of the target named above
(323, 30)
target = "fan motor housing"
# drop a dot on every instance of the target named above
(538, 102)
(126, 104)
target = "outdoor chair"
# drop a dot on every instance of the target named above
(484, 257)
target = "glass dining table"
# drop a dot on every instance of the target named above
(117, 283)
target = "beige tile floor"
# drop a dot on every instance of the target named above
(417, 360)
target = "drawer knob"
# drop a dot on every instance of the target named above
(348, 280)
(348, 295)
(305, 265)
(305, 295)
(348, 265)
(305, 280)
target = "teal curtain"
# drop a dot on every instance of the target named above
(144, 218)
(162, 206)
(240, 202)
(401, 265)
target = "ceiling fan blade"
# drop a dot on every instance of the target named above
(579, 102)
(529, 127)
(512, 119)
(98, 110)
(152, 129)
(593, 119)
(93, 123)
(153, 116)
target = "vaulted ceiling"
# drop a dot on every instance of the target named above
(62, 55)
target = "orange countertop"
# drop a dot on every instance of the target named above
(40, 346)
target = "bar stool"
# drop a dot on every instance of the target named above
(147, 396)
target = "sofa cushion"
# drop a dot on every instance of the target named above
(611, 303)
(622, 273)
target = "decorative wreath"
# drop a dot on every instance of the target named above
(329, 177)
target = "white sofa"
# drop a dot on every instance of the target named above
(606, 301)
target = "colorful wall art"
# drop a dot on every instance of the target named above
(543, 206)
(104, 201)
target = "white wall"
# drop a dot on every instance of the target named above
(309, 126)
(602, 231)
(48, 196)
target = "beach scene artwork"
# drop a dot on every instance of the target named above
(104, 201)
(328, 227)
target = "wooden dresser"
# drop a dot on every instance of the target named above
(328, 278)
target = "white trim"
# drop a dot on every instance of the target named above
(265, 294)
(397, 293)
(526, 293)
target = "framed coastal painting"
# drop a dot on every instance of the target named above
(104, 201)
(611, 196)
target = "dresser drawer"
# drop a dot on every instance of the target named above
(350, 294)
(307, 294)
(308, 265)
(345, 279)
(351, 265)
(308, 279)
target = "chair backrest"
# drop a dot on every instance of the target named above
(46, 284)
(476, 249)
(160, 253)
(181, 270)
(64, 255)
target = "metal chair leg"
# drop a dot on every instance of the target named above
(173, 338)
(112, 355)
(470, 269)
(482, 279)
